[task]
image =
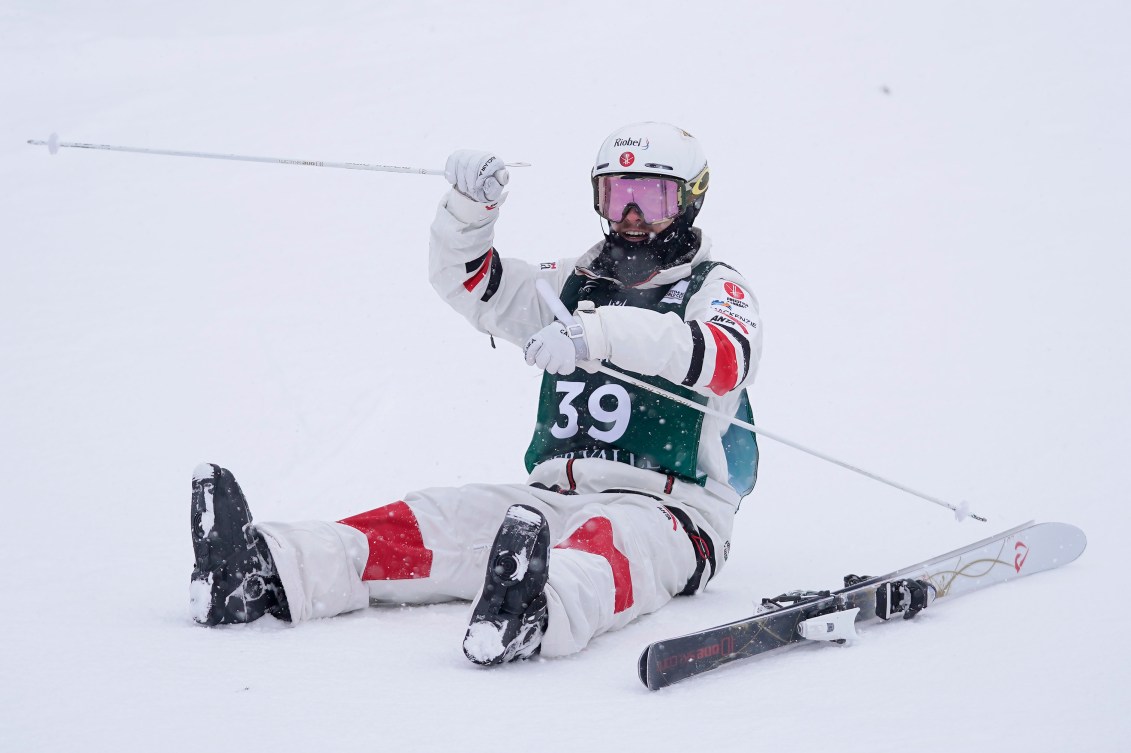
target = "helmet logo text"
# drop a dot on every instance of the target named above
(638, 143)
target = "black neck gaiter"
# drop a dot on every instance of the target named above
(632, 264)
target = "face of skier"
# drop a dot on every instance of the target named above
(634, 229)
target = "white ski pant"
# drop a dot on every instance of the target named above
(617, 554)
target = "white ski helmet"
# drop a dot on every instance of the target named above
(655, 149)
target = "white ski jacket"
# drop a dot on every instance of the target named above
(713, 350)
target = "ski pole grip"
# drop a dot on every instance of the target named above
(555, 303)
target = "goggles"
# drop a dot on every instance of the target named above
(657, 199)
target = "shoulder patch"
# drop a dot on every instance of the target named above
(675, 293)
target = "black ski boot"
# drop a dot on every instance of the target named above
(234, 579)
(510, 618)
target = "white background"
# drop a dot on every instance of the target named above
(930, 200)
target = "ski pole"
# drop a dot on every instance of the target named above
(961, 511)
(53, 145)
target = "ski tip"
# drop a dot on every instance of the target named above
(652, 680)
(642, 667)
(1075, 541)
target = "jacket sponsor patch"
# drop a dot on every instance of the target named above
(675, 293)
(719, 319)
(735, 316)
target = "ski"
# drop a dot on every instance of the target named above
(810, 616)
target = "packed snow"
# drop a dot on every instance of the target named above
(484, 641)
(930, 200)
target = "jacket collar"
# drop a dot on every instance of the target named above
(663, 277)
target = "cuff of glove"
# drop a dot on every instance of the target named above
(596, 341)
(470, 211)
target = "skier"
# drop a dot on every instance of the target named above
(631, 496)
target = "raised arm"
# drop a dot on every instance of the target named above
(496, 295)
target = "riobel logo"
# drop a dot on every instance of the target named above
(638, 143)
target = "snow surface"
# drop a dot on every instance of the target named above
(931, 200)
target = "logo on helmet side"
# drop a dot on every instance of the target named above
(639, 143)
(627, 159)
(698, 184)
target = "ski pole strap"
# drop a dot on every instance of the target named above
(704, 551)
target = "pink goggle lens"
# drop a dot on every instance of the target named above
(657, 199)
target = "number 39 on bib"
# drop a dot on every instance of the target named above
(593, 415)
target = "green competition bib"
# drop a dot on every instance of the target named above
(585, 415)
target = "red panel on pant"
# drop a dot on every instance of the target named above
(396, 548)
(595, 536)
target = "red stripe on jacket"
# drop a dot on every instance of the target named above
(483, 269)
(726, 363)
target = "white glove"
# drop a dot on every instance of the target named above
(552, 349)
(559, 349)
(477, 175)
